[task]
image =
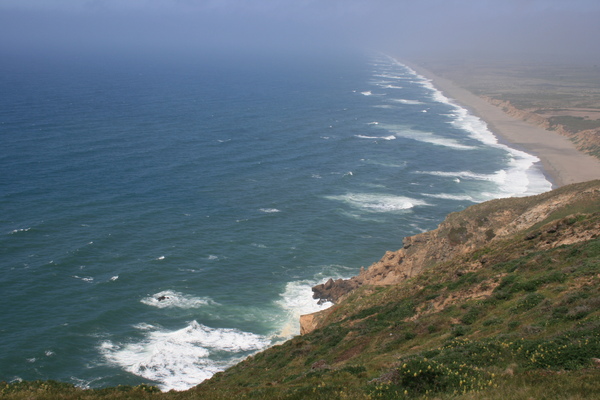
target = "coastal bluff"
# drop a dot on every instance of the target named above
(518, 314)
(464, 232)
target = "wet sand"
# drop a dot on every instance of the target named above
(563, 164)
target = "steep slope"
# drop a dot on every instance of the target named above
(465, 231)
(509, 291)
(501, 301)
(584, 132)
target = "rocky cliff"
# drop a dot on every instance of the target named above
(461, 233)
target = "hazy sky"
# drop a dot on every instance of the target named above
(561, 27)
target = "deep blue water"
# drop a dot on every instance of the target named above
(225, 186)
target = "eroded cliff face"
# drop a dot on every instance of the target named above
(524, 115)
(587, 141)
(544, 217)
(466, 231)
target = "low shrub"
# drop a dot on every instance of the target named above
(528, 302)
(422, 376)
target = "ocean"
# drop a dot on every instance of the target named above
(162, 220)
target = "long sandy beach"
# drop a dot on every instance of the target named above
(562, 162)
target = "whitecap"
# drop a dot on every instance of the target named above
(192, 270)
(522, 177)
(114, 278)
(88, 279)
(144, 326)
(523, 174)
(426, 137)
(297, 300)
(519, 179)
(387, 165)
(497, 177)
(378, 202)
(173, 299)
(380, 82)
(389, 137)
(448, 196)
(500, 178)
(407, 101)
(474, 126)
(181, 359)
(160, 258)
(18, 230)
(436, 95)
(391, 86)
(391, 76)
(367, 93)
(269, 210)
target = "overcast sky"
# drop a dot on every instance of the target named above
(563, 27)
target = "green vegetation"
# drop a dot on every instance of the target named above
(533, 85)
(516, 319)
(564, 97)
(574, 124)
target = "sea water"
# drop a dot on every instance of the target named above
(162, 220)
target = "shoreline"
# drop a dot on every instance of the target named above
(561, 162)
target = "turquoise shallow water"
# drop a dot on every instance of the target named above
(162, 220)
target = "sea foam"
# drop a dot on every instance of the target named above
(407, 101)
(448, 196)
(18, 230)
(181, 359)
(522, 177)
(372, 202)
(295, 301)
(425, 137)
(389, 137)
(173, 299)
(269, 210)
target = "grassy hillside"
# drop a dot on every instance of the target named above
(518, 318)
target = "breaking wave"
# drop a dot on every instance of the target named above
(378, 203)
(173, 299)
(181, 359)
